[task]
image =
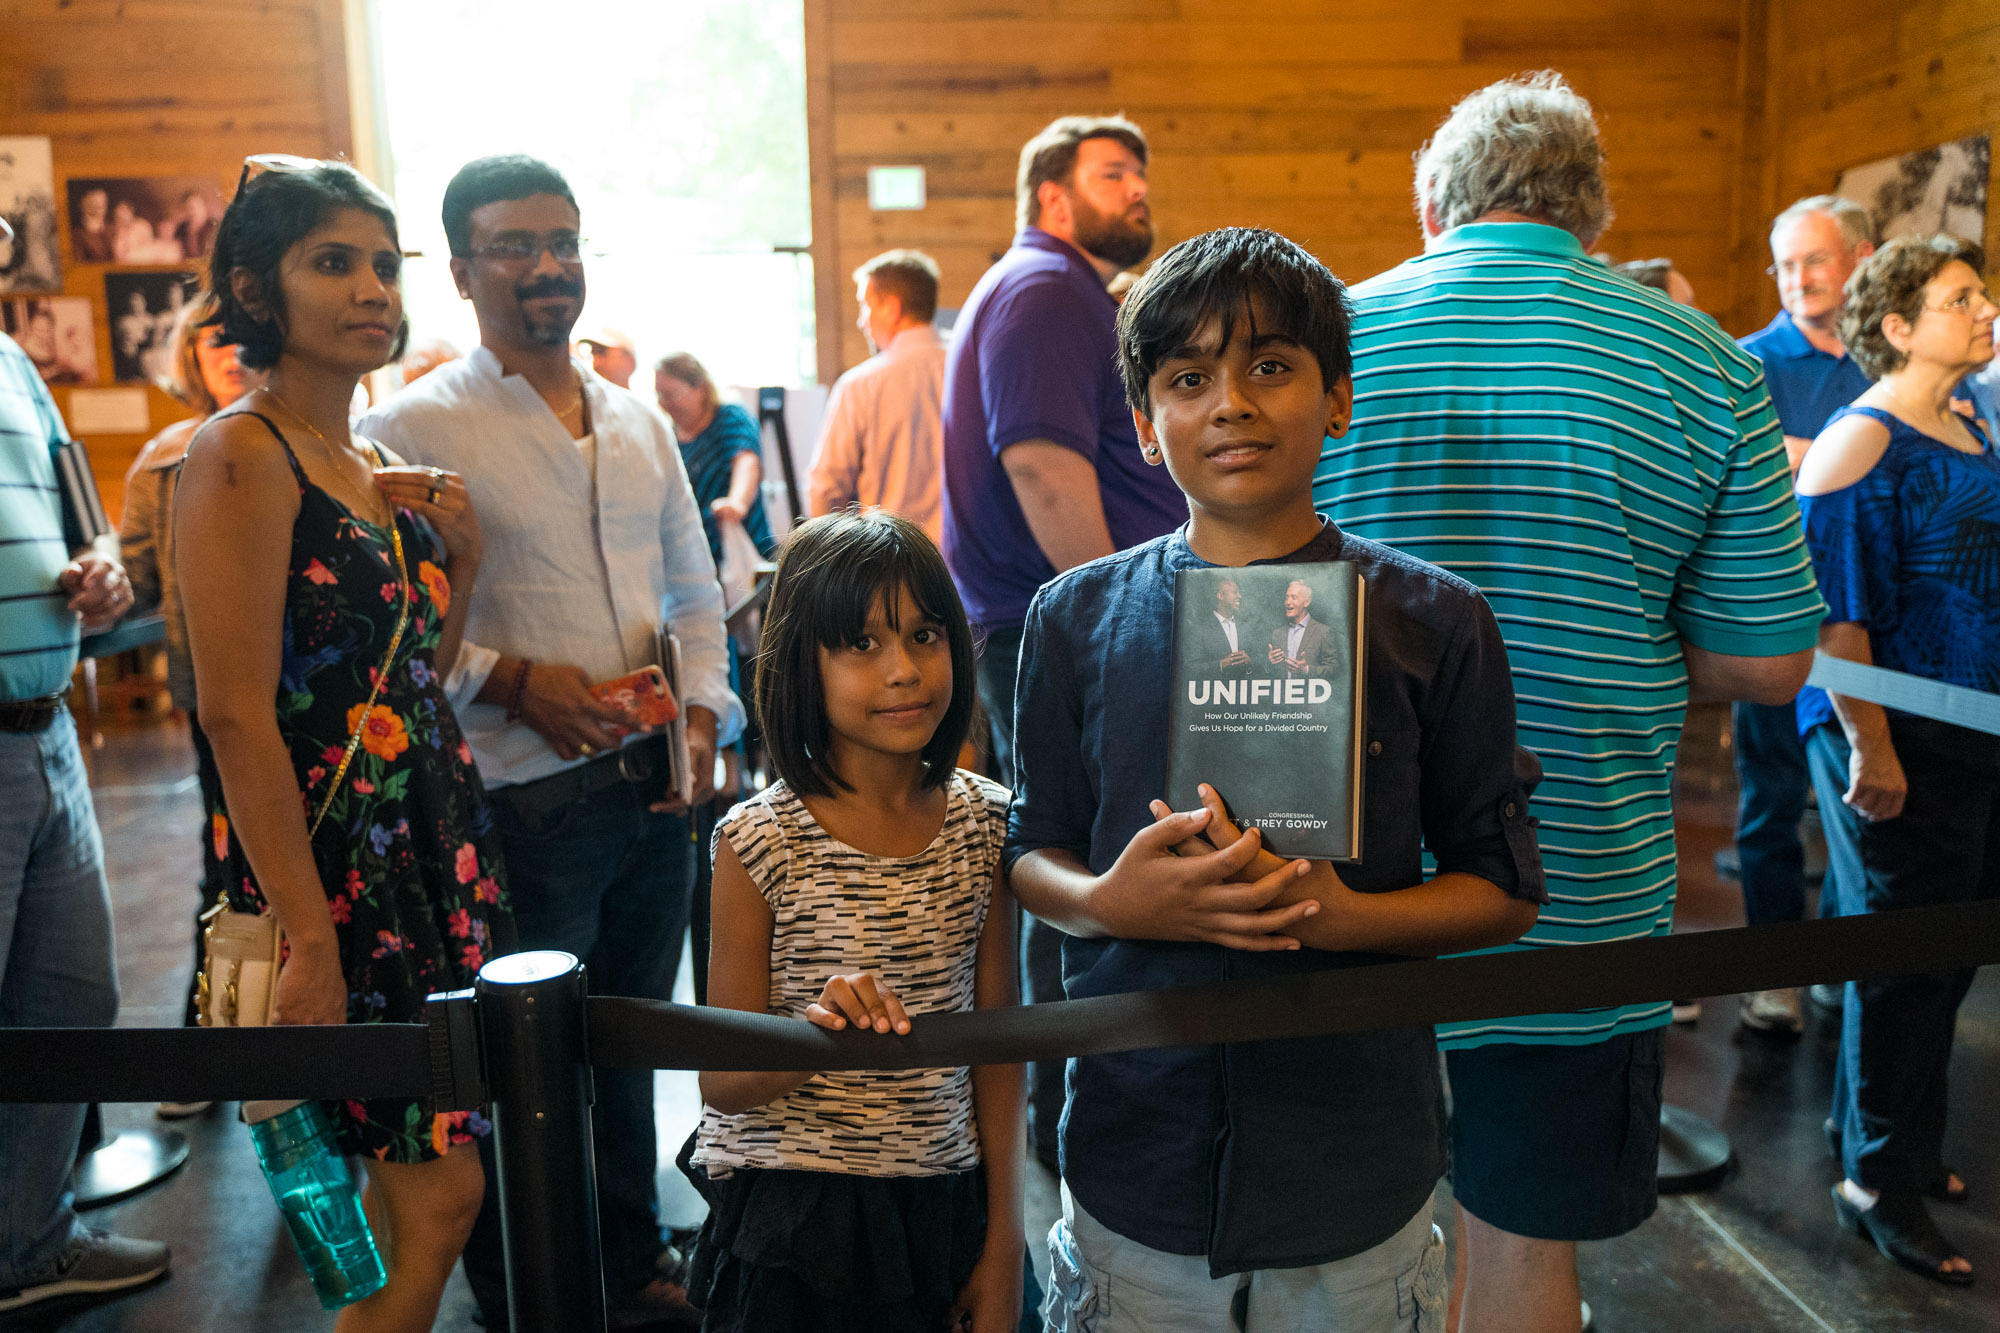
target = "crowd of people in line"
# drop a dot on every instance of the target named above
(1578, 507)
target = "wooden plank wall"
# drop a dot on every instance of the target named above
(167, 88)
(1302, 117)
(1851, 81)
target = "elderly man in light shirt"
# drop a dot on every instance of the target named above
(594, 544)
(883, 441)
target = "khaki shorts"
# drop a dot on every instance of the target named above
(1101, 1282)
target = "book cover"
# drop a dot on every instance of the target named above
(1270, 681)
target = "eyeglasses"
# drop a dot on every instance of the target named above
(1817, 259)
(525, 247)
(1963, 304)
(258, 163)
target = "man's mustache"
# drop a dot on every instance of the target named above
(549, 287)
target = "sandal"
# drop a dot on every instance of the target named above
(1942, 1189)
(1899, 1227)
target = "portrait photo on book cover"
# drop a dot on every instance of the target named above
(1267, 709)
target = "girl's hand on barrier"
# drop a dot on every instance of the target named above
(860, 998)
(311, 988)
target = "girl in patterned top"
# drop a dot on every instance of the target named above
(860, 888)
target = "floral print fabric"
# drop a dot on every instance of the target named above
(406, 853)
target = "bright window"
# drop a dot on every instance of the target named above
(681, 127)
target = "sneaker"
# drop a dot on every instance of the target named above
(1828, 998)
(181, 1110)
(1687, 1012)
(102, 1265)
(1774, 1011)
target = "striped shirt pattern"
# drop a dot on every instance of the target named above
(38, 632)
(915, 922)
(1605, 465)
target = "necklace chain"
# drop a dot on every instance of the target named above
(369, 506)
(574, 403)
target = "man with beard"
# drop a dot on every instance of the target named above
(1042, 469)
(593, 537)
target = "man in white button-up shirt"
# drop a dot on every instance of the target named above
(592, 544)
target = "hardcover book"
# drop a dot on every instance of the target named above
(1270, 680)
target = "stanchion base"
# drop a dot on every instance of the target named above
(1694, 1155)
(130, 1161)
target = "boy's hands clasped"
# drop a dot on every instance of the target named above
(1169, 885)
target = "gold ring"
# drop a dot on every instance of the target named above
(585, 749)
(435, 492)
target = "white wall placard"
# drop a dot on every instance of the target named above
(109, 412)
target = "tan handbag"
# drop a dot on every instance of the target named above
(242, 951)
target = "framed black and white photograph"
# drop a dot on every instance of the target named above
(1925, 192)
(32, 260)
(55, 332)
(141, 310)
(142, 220)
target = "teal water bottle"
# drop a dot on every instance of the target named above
(309, 1179)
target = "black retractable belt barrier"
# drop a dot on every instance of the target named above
(527, 1037)
(1367, 997)
(357, 1061)
(410, 1060)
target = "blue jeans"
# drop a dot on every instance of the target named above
(1771, 799)
(55, 971)
(607, 880)
(1827, 757)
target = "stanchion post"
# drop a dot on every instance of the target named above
(532, 1032)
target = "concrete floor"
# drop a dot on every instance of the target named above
(1760, 1252)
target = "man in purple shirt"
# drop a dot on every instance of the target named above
(1042, 469)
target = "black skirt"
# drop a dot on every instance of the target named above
(824, 1253)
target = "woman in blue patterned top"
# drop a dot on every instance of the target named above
(1901, 500)
(722, 448)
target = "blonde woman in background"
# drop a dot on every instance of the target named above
(205, 376)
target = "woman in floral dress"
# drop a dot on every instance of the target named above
(299, 552)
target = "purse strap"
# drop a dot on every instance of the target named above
(388, 660)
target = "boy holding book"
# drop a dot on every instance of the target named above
(1281, 1184)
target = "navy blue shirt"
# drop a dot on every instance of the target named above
(1273, 1154)
(1034, 357)
(1807, 385)
(1911, 551)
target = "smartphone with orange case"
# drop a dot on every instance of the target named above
(643, 694)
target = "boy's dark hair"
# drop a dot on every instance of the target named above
(1221, 275)
(272, 212)
(488, 180)
(1051, 156)
(831, 573)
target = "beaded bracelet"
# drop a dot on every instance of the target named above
(518, 689)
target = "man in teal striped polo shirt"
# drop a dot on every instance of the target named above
(55, 916)
(1605, 465)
